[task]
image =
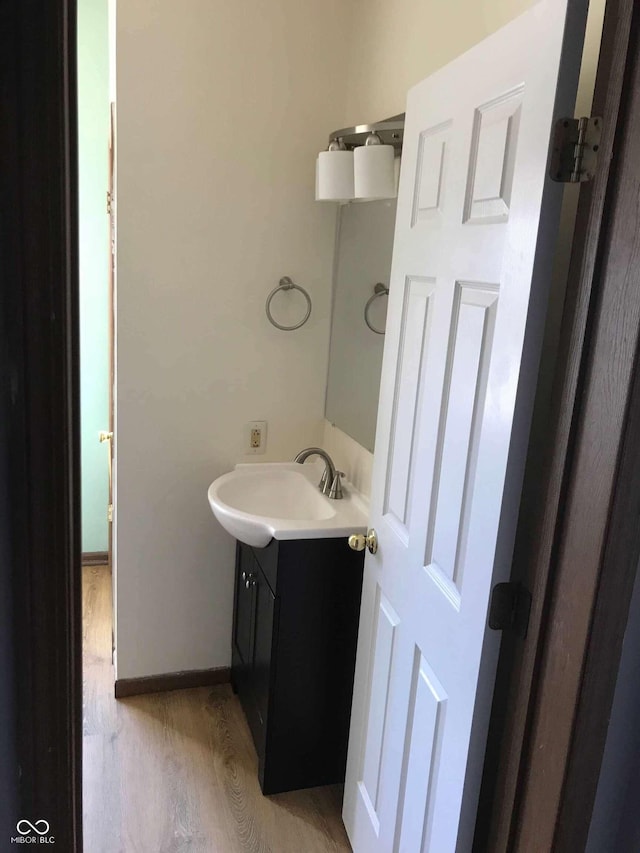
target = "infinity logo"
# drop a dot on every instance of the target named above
(32, 827)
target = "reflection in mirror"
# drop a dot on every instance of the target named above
(363, 262)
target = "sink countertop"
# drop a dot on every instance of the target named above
(281, 500)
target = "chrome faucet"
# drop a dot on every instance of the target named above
(329, 483)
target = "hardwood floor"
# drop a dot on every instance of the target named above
(174, 772)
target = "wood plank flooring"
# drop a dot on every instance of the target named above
(173, 772)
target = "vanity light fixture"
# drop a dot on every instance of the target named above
(373, 168)
(335, 173)
(361, 162)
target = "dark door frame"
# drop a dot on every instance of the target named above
(579, 554)
(39, 401)
(587, 496)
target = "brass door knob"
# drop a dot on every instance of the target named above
(358, 541)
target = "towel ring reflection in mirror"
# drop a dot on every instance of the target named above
(380, 289)
(285, 283)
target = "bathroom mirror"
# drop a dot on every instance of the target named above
(363, 260)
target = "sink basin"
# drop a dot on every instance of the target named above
(281, 500)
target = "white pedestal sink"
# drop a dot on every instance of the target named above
(281, 500)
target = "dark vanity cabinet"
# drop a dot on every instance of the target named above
(295, 626)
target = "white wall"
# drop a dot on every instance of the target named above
(221, 109)
(396, 44)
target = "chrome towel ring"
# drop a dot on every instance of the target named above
(286, 284)
(380, 289)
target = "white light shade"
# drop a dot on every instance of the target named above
(334, 176)
(374, 172)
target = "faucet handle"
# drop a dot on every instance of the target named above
(335, 492)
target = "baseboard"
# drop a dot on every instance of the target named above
(172, 681)
(95, 558)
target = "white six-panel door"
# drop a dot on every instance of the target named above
(475, 232)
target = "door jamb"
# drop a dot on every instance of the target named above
(528, 771)
(39, 365)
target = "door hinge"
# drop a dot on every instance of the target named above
(510, 607)
(109, 202)
(110, 513)
(574, 152)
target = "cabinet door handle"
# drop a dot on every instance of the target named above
(244, 576)
(250, 581)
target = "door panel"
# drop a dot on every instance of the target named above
(468, 294)
(415, 322)
(462, 406)
(386, 624)
(494, 143)
(421, 758)
(428, 197)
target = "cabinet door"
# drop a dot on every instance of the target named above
(243, 634)
(264, 625)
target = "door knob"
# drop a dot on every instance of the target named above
(358, 541)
